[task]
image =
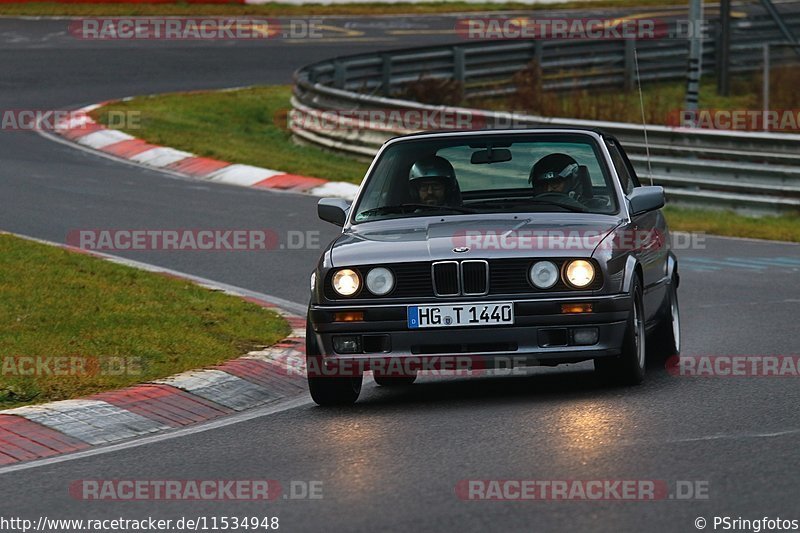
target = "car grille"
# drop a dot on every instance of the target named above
(511, 277)
(423, 279)
(475, 277)
(445, 278)
(412, 280)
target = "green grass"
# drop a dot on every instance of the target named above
(244, 126)
(57, 303)
(278, 9)
(777, 228)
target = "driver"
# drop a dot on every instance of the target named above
(555, 173)
(433, 182)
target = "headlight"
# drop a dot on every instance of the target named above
(580, 273)
(380, 281)
(544, 274)
(313, 280)
(346, 282)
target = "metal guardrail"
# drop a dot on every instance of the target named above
(750, 171)
(564, 63)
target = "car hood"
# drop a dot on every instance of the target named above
(438, 238)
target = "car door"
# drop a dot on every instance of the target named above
(649, 239)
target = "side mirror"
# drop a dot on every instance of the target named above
(333, 210)
(644, 199)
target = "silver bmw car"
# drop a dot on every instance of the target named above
(492, 248)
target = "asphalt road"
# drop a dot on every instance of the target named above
(393, 460)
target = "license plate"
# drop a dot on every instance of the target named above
(442, 316)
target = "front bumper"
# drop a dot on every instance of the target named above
(541, 333)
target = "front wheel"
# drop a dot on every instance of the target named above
(328, 390)
(628, 368)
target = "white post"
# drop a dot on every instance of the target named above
(765, 88)
(695, 59)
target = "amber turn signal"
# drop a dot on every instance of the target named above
(348, 316)
(576, 308)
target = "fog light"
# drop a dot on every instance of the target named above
(585, 336)
(349, 344)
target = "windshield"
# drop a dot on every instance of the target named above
(492, 174)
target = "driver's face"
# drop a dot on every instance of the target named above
(431, 192)
(556, 186)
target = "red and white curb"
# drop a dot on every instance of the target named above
(80, 128)
(258, 378)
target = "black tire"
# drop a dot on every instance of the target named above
(667, 336)
(628, 368)
(394, 381)
(328, 390)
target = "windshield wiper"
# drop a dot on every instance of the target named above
(575, 208)
(403, 208)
